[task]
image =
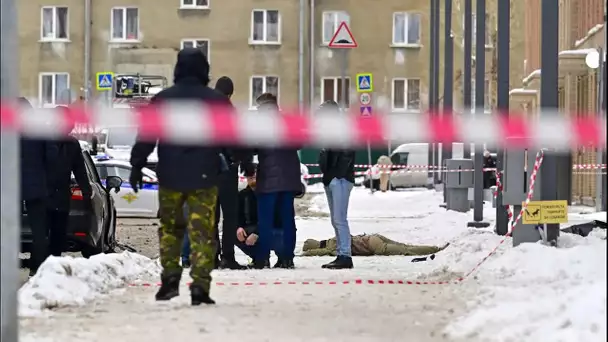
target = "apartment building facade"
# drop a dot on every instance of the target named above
(255, 42)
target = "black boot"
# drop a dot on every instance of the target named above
(199, 296)
(341, 262)
(169, 287)
(259, 264)
(285, 263)
(231, 264)
(330, 263)
(186, 262)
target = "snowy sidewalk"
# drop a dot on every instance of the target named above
(529, 293)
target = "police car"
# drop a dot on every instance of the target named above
(91, 230)
(144, 203)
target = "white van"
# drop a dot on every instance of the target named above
(414, 155)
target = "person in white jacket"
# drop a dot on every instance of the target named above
(384, 167)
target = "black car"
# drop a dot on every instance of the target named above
(90, 230)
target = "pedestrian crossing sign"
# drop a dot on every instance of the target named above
(105, 80)
(365, 83)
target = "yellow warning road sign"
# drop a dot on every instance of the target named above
(540, 212)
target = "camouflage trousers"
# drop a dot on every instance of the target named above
(200, 225)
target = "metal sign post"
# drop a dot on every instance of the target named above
(365, 86)
(480, 68)
(9, 180)
(344, 39)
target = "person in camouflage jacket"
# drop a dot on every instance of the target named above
(368, 245)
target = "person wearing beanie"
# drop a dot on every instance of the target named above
(338, 168)
(224, 86)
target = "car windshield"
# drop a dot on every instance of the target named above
(121, 137)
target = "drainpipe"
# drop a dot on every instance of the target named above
(312, 54)
(87, 49)
(301, 55)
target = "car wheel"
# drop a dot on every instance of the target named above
(89, 251)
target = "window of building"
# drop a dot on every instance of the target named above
(52, 87)
(265, 27)
(125, 23)
(331, 89)
(194, 4)
(331, 21)
(487, 102)
(54, 23)
(263, 84)
(202, 44)
(406, 94)
(406, 28)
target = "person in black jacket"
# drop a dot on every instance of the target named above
(247, 232)
(489, 177)
(186, 174)
(338, 168)
(278, 180)
(35, 158)
(227, 199)
(228, 195)
(68, 161)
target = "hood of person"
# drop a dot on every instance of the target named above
(192, 65)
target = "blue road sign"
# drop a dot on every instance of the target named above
(366, 110)
(365, 83)
(104, 80)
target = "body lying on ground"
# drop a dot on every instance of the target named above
(368, 245)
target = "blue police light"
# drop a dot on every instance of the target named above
(102, 157)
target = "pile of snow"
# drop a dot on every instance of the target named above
(68, 281)
(528, 293)
(539, 293)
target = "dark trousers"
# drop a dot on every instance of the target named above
(58, 224)
(38, 222)
(228, 203)
(267, 204)
(276, 244)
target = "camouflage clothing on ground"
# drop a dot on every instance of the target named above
(200, 225)
(367, 245)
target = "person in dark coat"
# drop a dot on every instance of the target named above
(338, 168)
(227, 199)
(186, 174)
(278, 180)
(489, 177)
(247, 233)
(68, 161)
(35, 157)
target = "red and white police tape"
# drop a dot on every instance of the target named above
(183, 123)
(401, 166)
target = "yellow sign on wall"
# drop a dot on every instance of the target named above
(540, 212)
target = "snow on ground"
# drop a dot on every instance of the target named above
(529, 293)
(69, 281)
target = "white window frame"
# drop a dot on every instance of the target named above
(252, 105)
(406, 28)
(54, 87)
(264, 40)
(405, 95)
(336, 22)
(195, 41)
(124, 33)
(193, 5)
(335, 90)
(67, 24)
